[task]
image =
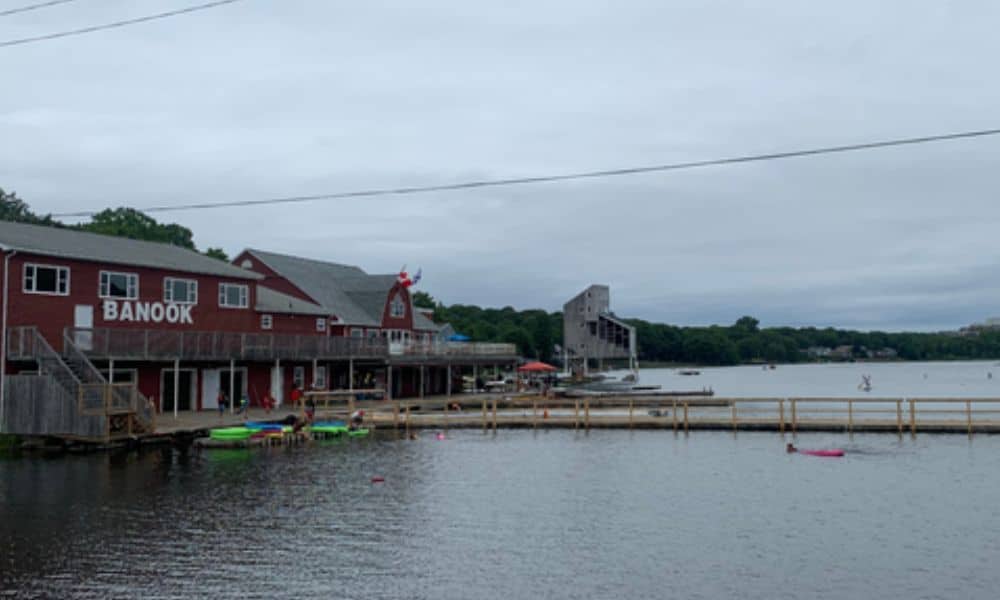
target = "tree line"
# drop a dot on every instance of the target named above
(121, 222)
(537, 333)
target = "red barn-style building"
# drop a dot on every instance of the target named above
(174, 330)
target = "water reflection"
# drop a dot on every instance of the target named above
(517, 515)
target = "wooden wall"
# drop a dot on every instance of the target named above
(38, 405)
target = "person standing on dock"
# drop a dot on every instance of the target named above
(221, 401)
(310, 410)
(296, 395)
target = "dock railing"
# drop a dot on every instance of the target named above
(897, 415)
(458, 350)
(158, 344)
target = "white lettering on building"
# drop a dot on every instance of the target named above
(146, 312)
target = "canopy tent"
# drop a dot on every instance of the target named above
(536, 367)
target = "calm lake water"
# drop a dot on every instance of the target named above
(552, 514)
(839, 380)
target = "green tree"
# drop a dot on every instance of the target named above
(13, 208)
(130, 223)
(746, 325)
(422, 299)
(217, 253)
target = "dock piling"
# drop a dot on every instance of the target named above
(630, 405)
(913, 418)
(899, 416)
(795, 419)
(781, 416)
(685, 416)
(586, 412)
(968, 416)
(674, 414)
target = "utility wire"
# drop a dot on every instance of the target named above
(172, 13)
(449, 187)
(14, 11)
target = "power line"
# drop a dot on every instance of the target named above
(14, 11)
(172, 13)
(450, 187)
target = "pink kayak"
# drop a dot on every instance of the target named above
(836, 452)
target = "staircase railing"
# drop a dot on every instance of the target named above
(115, 399)
(49, 361)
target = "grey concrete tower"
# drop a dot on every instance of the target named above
(592, 332)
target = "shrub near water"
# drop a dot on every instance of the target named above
(9, 443)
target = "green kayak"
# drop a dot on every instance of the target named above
(357, 432)
(231, 433)
(332, 429)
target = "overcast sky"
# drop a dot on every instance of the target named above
(263, 99)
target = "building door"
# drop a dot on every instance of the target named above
(239, 384)
(210, 389)
(277, 385)
(186, 389)
(83, 318)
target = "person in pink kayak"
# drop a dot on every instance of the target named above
(790, 448)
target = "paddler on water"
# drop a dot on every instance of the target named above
(790, 448)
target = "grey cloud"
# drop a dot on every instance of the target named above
(261, 100)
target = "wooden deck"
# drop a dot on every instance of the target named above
(491, 412)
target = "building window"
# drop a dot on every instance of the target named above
(373, 334)
(180, 291)
(119, 285)
(43, 279)
(232, 295)
(319, 378)
(299, 377)
(321, 324)
(357, 333)
(265, 321)
(397, 309)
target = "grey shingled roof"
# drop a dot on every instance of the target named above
(269, 300)
(420, 321)
(82, 245)
(344, 290)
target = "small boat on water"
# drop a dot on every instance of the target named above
(689, 372)
(833, 453)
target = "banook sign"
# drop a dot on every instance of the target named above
(147, 312)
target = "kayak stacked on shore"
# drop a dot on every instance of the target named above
(261, 430)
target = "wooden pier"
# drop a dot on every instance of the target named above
(683, 414)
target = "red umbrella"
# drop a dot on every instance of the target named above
(536, 367)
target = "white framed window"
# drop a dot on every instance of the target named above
(321, 324)
(319, 378)
(180, 291)
(46, 279)
(115, 284)
(266, 321)
(397, 308)
(357, 333)
(234, 295)
(299, 377)
(373, 334)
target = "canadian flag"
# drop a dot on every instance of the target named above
(404, 278)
